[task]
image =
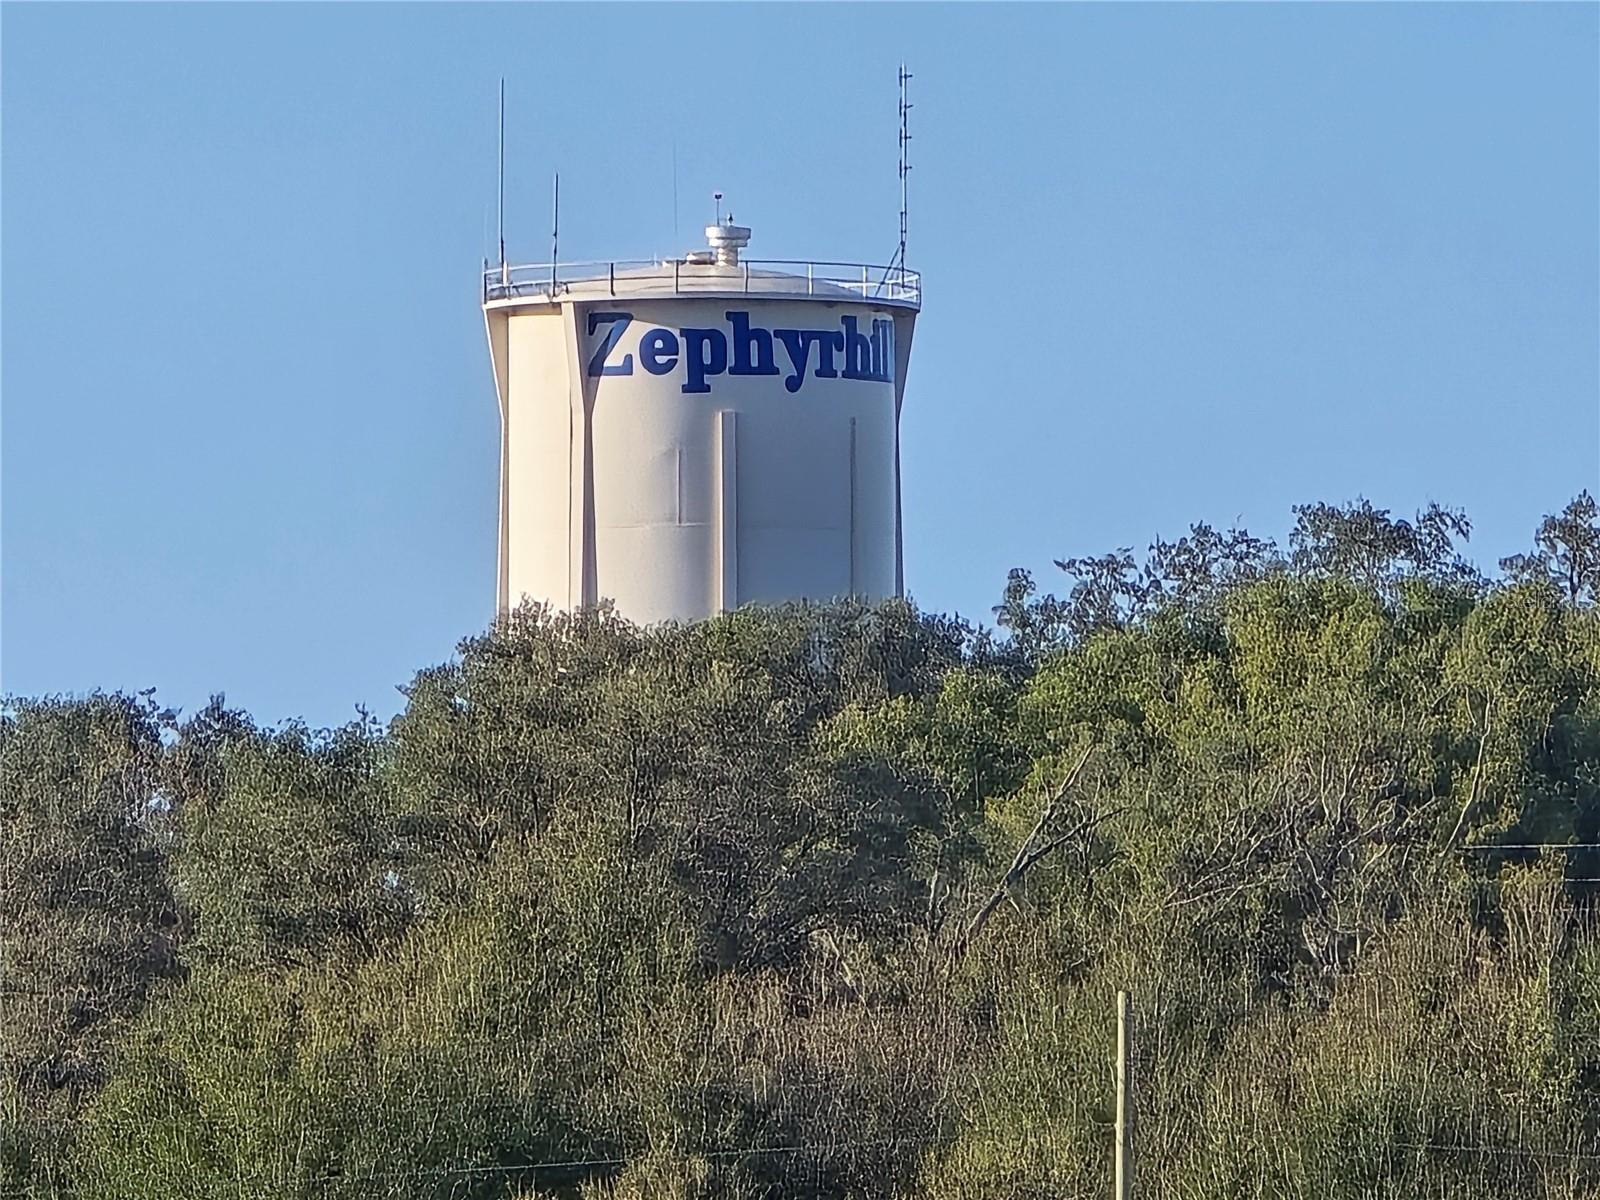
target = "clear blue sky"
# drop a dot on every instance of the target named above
(1182, 262)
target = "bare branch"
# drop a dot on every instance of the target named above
(1030, 852)
(1477, 774)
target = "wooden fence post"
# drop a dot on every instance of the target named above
(1124, 1116)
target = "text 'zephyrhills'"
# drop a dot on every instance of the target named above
(741, 348)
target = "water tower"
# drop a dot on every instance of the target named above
(685, 435)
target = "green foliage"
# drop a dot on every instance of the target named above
(1366, 545)
(708, 745)
(89, 928)
(289, 850)
(833, 901)
(1566, 553)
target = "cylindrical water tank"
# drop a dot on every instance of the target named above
(685, 436)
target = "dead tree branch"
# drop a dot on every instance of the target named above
(1032, 850)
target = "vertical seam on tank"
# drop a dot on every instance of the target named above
(854, 590)
(572, 479)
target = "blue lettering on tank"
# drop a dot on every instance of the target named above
(705, 354)
(619, 321)
(846, 351)
(857, 351)
(752, 348)
(829, 343)
(658, 351)
(797, 344)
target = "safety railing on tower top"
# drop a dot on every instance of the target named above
(679, 277)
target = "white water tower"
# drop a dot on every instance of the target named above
(687, 435)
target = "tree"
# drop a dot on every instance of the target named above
(703, 742)
(1203, 565)
(289, 850)
(1365, 544)
(1034, 627)
(1566, 552)
(830, 901)
(1112, 591)
(89, 927)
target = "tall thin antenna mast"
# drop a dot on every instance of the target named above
(500, 211)
(905, 166)
(555, 236)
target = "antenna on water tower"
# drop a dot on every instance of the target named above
(717, 196)
(500, 208)
(905, 166)
(555, 233)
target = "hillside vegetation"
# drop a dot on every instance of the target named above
(835, 901)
